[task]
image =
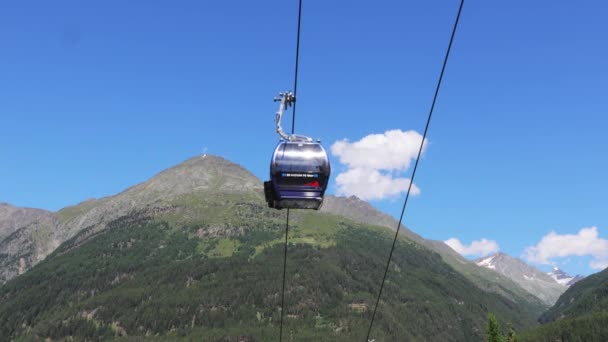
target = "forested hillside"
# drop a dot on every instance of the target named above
(586, 296)
(580, 314)
(209, 267)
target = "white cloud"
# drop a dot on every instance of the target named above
(370, 184)
(478, 248)
(393, 150)
(375, 164)
(585, 243)
(599, 264)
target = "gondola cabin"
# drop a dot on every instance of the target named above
(299, 173)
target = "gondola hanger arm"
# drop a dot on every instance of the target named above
(287, 99)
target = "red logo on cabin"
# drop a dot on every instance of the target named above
(313, 183)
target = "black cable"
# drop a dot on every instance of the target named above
(293, 127)
(284, 272)
(295, 79)
(407, 195)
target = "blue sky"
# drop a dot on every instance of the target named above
(97, 97)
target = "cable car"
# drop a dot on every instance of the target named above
(299, 170)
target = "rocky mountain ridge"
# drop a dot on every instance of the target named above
(530, 278)
(11, 218)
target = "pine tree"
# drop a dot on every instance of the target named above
(492, 329)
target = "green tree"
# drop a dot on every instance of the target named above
(511, 336)
(492, 329)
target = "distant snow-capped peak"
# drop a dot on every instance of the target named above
(487, 262)
(563, 278)
(529, 278)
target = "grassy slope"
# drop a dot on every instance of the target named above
(211, 269)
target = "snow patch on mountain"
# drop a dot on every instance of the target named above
(533, 280)
(563, 278)
(487, 262)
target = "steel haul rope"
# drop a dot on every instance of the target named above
(293, 126)
(426, 128)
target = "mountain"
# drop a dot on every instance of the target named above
(30, 241)
(564, 278)
(195, 253)
(12, 217)
(530, 278)
(580, 314)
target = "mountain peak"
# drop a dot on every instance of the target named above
(531, 279)
(564, 278)
(207, 162)
(204, 172)
(205, 176)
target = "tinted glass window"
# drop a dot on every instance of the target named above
(304, 157)
(300, 179)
